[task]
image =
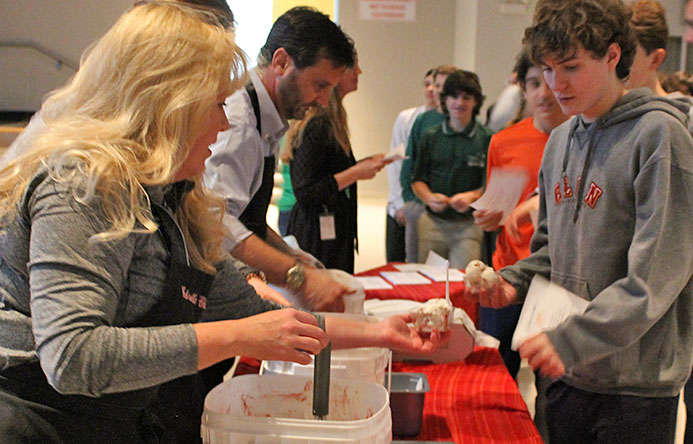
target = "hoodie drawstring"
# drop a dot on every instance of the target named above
(585, 166)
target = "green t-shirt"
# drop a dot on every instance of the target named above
(450, 162)
(423, 122)
(287, 200)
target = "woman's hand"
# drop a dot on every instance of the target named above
(282, 335)
(397, 334)
(367, 168)
(488, 220)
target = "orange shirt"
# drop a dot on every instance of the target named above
(521, 145)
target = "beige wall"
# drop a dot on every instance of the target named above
(473, 34)
(394, 57)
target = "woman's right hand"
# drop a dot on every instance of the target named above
(282, 335)
(369, 167)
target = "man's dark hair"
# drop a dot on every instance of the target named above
(649, 23)
(522, 66)
(560, 25)
(220, 9)
(461, 81)
(307, 35)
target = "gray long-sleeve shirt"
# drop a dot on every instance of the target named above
(65, 300)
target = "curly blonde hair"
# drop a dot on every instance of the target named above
(128, 119)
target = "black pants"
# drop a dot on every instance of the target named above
(394, 241)
(579, 417)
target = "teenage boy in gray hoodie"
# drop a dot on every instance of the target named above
(616, 201)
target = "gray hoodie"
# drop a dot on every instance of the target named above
(614, 228)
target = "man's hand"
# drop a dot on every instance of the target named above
(322, 293)
(520, 215)
(542, 356)
(400, 218)
(437, 202)
(460, 202)
(488, 220)
(499, 295)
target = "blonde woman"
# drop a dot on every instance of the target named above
(109, 247)
(324, 173)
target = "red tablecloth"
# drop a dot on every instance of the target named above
(422, 293)
(474, 401)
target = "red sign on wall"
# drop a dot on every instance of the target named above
(388, 10)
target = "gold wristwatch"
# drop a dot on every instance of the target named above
(295, 276)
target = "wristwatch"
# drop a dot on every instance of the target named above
(295, 276)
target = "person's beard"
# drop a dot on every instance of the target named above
(289, 94)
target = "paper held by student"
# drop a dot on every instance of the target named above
(546, 306)
(396, 153)
(503, 191)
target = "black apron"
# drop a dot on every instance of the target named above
(167, 413)
(254, 216)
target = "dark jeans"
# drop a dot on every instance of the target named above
(394, 241)
(576, 416)
(500, 323)
(283, 222)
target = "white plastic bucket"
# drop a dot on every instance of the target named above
(276, 409)
(365, 364)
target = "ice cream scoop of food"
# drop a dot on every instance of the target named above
(478, 275)
(433, 314)
(473, 272)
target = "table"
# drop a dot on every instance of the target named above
(473, 401)
(422, 293)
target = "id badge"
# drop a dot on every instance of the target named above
(327, 231)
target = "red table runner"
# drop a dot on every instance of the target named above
(422, 293)
(474, 401)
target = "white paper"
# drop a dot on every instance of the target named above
(436, 268)
(436, 261)
(546, 306)
(410, 267)
(438, 275)
(373, 283)
(404, 277)
(503, 191)
(397, 153)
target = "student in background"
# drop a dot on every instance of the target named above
(413, 208)
(395, 223)
(449, 173)
(615, 203)
(649, 23)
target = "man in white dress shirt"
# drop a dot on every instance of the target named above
(302, 60)
(394, 234)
